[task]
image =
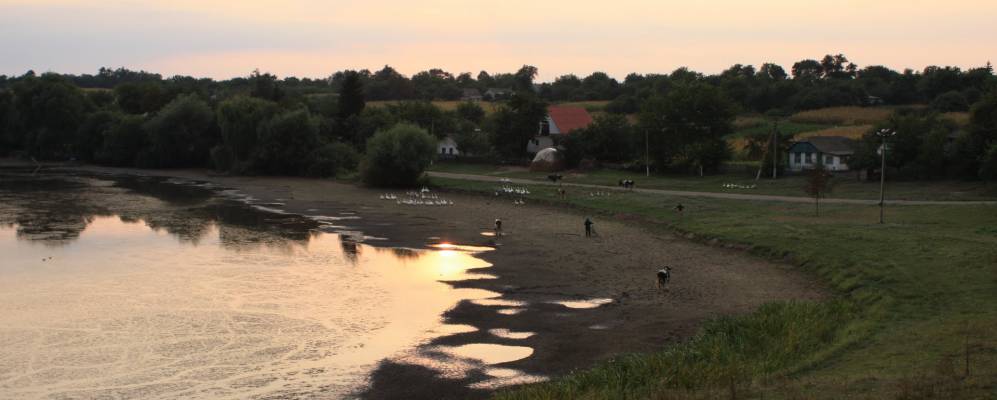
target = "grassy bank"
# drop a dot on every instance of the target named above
(911, 295)
(846, 185)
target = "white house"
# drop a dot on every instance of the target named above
(560, 120)
(833, 152)
(447, 148)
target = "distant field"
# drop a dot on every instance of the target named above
(854, 131)
(591, 106)
(785, 128)
(445, 105)
(960, 118)
(748, 121)
(844, 115)
(594, 107)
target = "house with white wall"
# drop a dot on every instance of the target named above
(447, 148)
(833, 152)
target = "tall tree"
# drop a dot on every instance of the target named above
(515, 123)
(50, 109)
(687, 125)
(525, 77)
(180, 134)
(265, 86)
(351, 95)
(240, 120)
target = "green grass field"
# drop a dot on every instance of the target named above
(785, 128)
(910, 296)
(846, 185)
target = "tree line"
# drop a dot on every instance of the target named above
(832, 80)
(260, 127)
(261, 124)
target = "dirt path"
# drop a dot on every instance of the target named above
(715, 195)
(544, 257)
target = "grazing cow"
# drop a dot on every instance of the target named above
(626, 183)
(664, 275)
(554, 177)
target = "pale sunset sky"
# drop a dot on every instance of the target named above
(314, 38)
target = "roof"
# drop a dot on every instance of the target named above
(471, 92)
(838, 145)
(568, 119)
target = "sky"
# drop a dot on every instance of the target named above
(314, 38)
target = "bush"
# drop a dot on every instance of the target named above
(950, 101)
(240, 119)
(223, 158)
(329, 160)
(285, 143)
(122, 142)
(988, 167)
(398, 156)
(179, 135)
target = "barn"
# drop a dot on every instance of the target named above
(560, 120)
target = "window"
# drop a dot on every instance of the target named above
(828, 160)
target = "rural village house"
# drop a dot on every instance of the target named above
(493, 94)
(833, 152)
(471, 95)
(560, 120)
(446, 148)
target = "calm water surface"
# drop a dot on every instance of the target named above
(138, 289)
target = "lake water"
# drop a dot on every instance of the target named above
(135, 288)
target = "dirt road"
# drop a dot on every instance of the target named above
(715, 195)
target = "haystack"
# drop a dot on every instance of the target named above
(547, 160)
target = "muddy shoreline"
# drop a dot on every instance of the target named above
(543, 258)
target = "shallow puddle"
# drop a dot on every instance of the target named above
(499, 302)
(507, 334)
(490, 353)
(583, 304)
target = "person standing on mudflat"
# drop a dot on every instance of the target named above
(498, 227)
(588, 227)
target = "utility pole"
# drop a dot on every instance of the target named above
(775, 148)
(647, 154)
(883, 133)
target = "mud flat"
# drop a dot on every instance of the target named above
(566, 301)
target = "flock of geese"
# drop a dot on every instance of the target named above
(737, 186)
(519, 192)
(421, 198)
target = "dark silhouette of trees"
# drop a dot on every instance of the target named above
(515, 123)
(398, 156)
(351, 95)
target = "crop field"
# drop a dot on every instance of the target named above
(844, 115)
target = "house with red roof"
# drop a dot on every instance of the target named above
(561, 120)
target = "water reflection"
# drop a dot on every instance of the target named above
(132, 291)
